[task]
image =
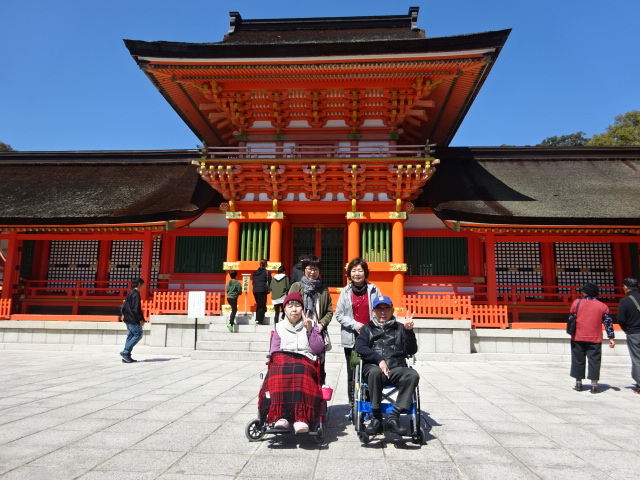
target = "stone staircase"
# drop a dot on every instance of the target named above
(249, 341)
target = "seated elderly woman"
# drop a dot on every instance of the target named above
(292, 385)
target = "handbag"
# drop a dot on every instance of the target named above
(571, 322)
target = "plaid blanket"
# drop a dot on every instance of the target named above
(292, 383)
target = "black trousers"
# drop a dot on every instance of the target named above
(278, 307)
(233, 303)
(347, 356)
(404, 378)
(592, 352)
(261, 305)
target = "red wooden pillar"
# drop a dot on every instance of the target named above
(10, 275)
(147, 256)
(619, 262)
(275, 242)
(548, 267)
(490, 266)
(353, 239)
(233, 241)
(104, 260)
(397, 257)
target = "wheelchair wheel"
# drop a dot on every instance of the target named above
(319, 438)
(254, 431)
(420, 437)
(364, 437)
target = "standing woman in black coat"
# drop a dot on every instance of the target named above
(261, 279)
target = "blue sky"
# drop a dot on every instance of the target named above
(67, 82)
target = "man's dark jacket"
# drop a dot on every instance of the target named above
(628, 315)
(391, 344)
(132, 308)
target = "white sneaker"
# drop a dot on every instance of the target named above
(300, 427)
(282, 424)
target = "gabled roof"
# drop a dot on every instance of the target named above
(101, 188)
(536, 186)
(267, 75)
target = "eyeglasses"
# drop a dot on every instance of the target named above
(312, 269)
(384, 309)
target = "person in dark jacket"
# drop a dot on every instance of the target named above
(384, 343)
(261, 279)
(279, 289)
(629, 320)
(297, 272)
(134, 319)
(234, 290)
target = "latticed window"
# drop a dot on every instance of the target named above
(518, 263)
(254, 241)
(376, 242)
(125, 260)
(200, 254)
(73, 260)
(436, 256)
(579, 263)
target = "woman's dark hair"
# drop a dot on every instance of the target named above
(311, 261)
(233, 273)
(137, 282)
(263, 263)
(281, 269)
(355, 263)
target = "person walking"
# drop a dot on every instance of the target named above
(134, 319)
(261, 279)
(279, 289)
(590, 314)
(629, 320)
(234, 290)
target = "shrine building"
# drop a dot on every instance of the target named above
(327, 136)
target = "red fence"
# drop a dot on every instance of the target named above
(5, 308)
(456, 307)
(177, 303)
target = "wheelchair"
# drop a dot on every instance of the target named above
(257, 428)
(361, 408)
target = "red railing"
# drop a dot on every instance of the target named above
(318, 151)
(437, 305)
(456, 307)
(5, 308)
(177, 303)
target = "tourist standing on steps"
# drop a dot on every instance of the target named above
(279, 289)
(629, 320)
(134, 319)
(234, 290)
(590, 314)
(261, 279)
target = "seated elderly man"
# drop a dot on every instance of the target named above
(384, 345)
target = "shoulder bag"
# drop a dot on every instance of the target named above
(571, 322)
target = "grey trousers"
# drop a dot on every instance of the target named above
(593, 352)
(633, 344)
(404, 378)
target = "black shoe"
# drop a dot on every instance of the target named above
(126, 358)
(578, 387)
(595, 389)
(393, 426)
(374, 427)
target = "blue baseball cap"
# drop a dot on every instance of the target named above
(382, 299)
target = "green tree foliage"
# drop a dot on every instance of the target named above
(577, 139)
(624, 131)
(5, 147)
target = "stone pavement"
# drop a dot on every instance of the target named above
(68, 415)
